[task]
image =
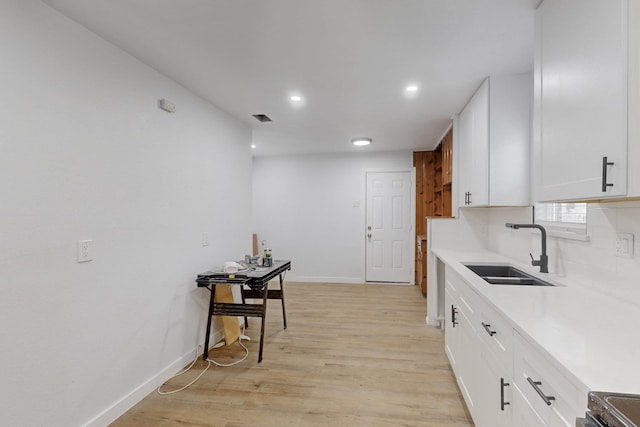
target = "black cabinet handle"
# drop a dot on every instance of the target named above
(454, 321)
(486, 327)
(466, 198)
(535, 384)
(605, 163)
(503, 384)
(469, 198)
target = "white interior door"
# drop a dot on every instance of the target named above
(388, 227)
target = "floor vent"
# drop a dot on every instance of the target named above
(262, 118)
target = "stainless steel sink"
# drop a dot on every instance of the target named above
(506, 275)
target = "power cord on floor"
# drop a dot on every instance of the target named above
(209, 362)
(246, 352)
(184, 371)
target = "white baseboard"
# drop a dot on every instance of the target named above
(433, 322)
(122, 405)
(324, 279)
(332, 279)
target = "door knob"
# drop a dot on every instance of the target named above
(369, 228)
(369, 235)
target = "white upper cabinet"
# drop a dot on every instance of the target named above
(494, 131)
(580, 100)
(474, 149)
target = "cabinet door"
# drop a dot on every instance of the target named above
(495, 391)
(552, 396)
(469, 374)
(523, 414)
(480, 148)
(510, 135)
(451, 329)
(461, 339)
(582, 105)
(474, 149)
(421, 264)
(465, 132)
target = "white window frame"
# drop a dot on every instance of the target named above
(565, 230)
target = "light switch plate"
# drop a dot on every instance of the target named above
(624, 245)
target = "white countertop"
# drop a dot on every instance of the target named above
(595, 338)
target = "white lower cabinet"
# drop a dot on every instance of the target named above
(461, 339)
(468, 379)
(505, 380)
(547, 392)
(494, 399)
(496, 368)
(524, 416)
(477, 353)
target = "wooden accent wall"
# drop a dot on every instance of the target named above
(442, 176)
(423, 162)
(446, 147)
(433, 194)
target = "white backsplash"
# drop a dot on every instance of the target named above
(489, 225)
(592, 263)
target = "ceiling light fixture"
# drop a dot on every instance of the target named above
(411, 89)
(295, 98)
(253, 145)
(361, 142)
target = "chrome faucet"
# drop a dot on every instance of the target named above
(543, 262)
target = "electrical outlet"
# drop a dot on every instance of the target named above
(205, 239)
(167, 106)
(84, 250)
(624, 245)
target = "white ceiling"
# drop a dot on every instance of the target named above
(349, 59)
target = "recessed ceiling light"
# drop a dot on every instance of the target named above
(253, 145)
(411, 88)
(361, 142)
(295, 98)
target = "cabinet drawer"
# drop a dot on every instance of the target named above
(496, 335)
(467, 300)
(543, 386)
(469, 305)
(523, 413)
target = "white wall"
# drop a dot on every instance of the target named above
(490, 223)
(311, 209)
(86, 154)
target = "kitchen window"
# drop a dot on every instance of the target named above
(568, 220)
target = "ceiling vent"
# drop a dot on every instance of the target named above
(262, 118)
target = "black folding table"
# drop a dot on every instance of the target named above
(254, 284)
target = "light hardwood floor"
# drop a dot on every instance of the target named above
(352, 355)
